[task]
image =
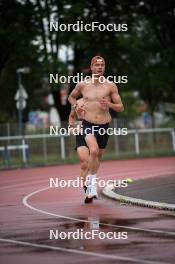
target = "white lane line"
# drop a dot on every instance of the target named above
(25, 202)
(87, 253)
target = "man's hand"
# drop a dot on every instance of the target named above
(104, 103)
(80, 109)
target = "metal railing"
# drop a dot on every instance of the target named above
(42, 149)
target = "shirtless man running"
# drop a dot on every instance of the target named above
(99, 96)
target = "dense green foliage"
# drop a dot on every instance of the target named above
(145, 53)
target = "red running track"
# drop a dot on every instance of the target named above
(28, 217)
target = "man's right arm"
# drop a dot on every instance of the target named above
(72, 118)
(74, 94)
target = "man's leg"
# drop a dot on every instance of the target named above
(93, 166)
(93, 153)
(100, 154)
(83, 153)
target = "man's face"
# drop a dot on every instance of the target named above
(98, 68)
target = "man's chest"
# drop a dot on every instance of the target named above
(93, 92)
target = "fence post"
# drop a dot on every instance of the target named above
(8, 132)
(173, 138)
(116, 138)
(62, 143)
(24, 156)
(7, 156)
(44, 145)
(137, 148)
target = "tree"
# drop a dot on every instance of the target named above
(18, 31)
(145, 53)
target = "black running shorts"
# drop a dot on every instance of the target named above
(99, 131)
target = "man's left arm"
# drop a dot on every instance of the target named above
(116, 103)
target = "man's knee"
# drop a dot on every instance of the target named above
(84, 165)
(94, 152)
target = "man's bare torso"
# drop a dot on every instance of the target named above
(92, 93)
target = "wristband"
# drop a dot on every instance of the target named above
(73, 106)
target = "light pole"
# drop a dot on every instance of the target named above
(20, 96)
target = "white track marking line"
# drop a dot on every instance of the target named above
(87, 253)
(25, 202)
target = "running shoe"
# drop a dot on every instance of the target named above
(88, 200)
(91, 191)
(89, 197)
(85, 188)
